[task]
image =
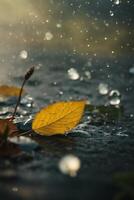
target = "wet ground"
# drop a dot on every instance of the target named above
(104, 139)
(103, 144)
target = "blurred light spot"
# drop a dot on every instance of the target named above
(23, 54)
(131, 70)
(88, 74)
(58, 25)
(48, 36)
(117, 2)
(89, 63)
(103, 88)
(15, 189)
(60, 92)
(73, 74)
(111, 13)
(70, 165)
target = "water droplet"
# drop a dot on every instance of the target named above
(23, 54)
(131, 70)
(60, 92)
(88, 74)
(48, 36)
(117, 2)
(111, 13)
(114, 97)
(89, 63)
(15, 189)
(73, 74)
(131, 115)
(103, 88)
(58, 25)
(70, 165)
(28, 101)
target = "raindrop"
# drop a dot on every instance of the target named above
(48, 36)
(15, 189)
(131, 115)
(58, 25)
(88, 74)
(131, 70)
(103, 88)
(89, 63)
(114, 97)
(70, 165)
(28, 101)
(117, 2)
(23, 54)
(73, 74)
(60, 92)
(111, 13)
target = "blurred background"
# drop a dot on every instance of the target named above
(81, 27)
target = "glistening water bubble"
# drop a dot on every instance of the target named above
(114, 97)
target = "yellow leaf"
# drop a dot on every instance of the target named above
(58, 118)
(9, 91)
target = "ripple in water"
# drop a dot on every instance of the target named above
(24, 111)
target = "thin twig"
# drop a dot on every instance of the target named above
(18, 101)
(26, 77)
(25, 133)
